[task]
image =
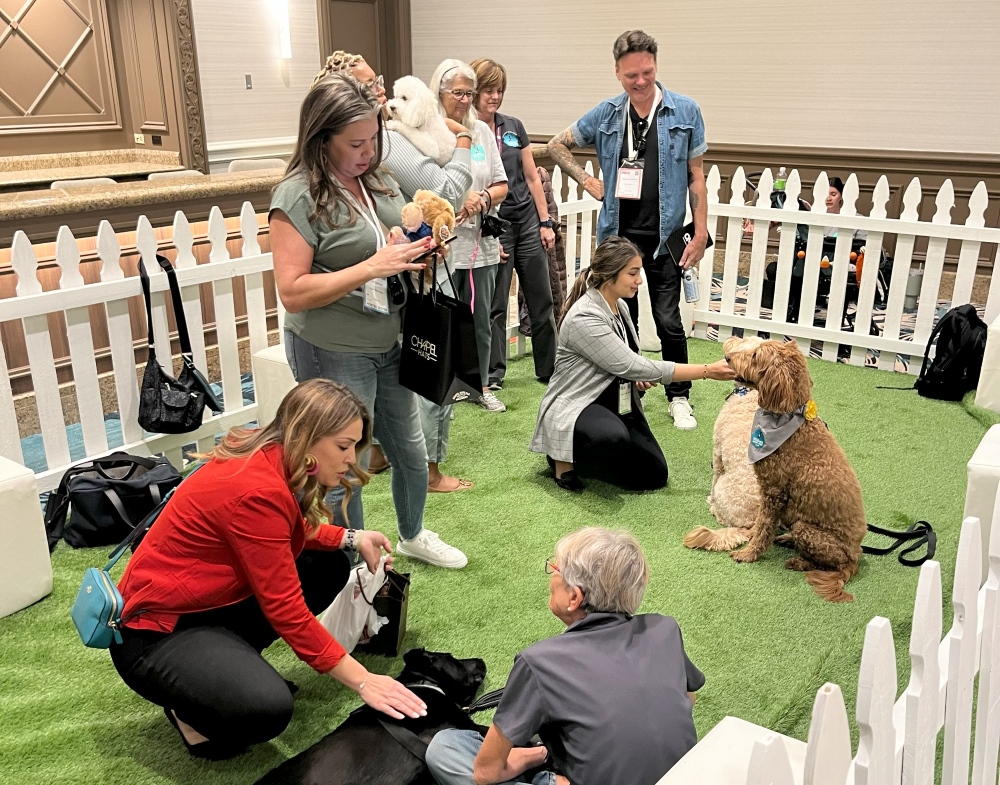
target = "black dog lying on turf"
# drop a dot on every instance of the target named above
(371, 748)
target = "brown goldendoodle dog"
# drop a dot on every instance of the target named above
(808, 487)
(735, 496)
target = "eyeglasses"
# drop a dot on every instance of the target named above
(550, 566)
(460, 94)
(378, 83)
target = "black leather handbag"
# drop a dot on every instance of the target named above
(106, 498)
(166, 404)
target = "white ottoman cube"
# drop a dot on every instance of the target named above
(988, 392)
(272, 379)
(981, 492)
(25, 569)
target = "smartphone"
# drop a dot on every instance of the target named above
(433, 250)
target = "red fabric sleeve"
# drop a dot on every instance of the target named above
(328, 538)
(260, 534)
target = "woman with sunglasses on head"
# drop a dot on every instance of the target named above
(610, 697)
(241, 555)
(590, 420)
(337, 276)
(527, 237)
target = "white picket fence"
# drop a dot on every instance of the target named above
(898, 739)
(73, 298)
(579, 210)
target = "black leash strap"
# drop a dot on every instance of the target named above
(918, 535)
(410, 740)
(486, 701)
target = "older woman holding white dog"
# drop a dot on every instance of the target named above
(627, 724)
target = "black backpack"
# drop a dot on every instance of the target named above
(958, 361)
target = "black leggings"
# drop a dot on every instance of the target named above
(621, 451)
(209, 670)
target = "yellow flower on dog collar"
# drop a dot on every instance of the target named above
(810, 412)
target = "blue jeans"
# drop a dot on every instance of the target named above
(451, 754)
(374, 378)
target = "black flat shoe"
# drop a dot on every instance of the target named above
(551, 463)
(208, 750)
(570, 482)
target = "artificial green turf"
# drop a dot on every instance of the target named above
(765, 641)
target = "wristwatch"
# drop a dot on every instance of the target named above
(548, 223)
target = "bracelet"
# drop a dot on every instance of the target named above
(361, 686)
(464, 135)
(352, 539)
(705, 374)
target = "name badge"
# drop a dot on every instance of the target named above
(510, 139)
(625, 397)
(478, 153)
(629, 183)
(377, 296)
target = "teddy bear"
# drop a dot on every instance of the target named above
(428, 215)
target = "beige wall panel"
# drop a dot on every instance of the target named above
(355, 28)
(56, 69)
(149, 80)
(236, 39)
(903, 75)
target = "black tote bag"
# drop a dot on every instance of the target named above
(440, 361)
(168, 405)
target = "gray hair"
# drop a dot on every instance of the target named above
(608, 566)
(443, 77)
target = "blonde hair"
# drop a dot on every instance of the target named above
(443, 77)
(340, 62)
(332, 103)
(611, 257)
(489, 75)
(608, 566)
(311, 411)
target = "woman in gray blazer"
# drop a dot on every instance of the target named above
(590, 421)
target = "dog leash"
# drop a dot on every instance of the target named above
(919, 534)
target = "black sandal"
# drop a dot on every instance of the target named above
(570, 482)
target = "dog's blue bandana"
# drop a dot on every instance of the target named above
(770, 430)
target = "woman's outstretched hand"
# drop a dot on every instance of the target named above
(388, 696)
(393, 259)
(721, 371)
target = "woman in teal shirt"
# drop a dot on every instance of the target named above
(328, 221)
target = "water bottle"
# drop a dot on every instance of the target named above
(691, 285)
(779, 182)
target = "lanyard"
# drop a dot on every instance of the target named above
(633, 152)
(370, 216)
(496, 130)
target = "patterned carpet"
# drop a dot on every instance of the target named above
(906, 327)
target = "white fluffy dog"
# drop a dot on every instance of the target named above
(735, 499)
(415, 115)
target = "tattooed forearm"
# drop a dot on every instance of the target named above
(559, 150)
(690, 177)
(695, 201)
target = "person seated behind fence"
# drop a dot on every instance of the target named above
(242, 555)
(834, 203)
(610, 697)
(590, 421)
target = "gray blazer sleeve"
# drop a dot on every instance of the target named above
(415, 171)
(590, 336)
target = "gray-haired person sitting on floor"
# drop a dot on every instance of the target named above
(590, 420)
(610, 697)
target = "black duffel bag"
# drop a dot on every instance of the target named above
(106, 498)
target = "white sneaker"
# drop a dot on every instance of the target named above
(428, 547)
(491, 403)
(680, 410)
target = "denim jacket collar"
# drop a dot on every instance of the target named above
(666, 99)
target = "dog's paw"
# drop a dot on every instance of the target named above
(784, 540)
(745, 556)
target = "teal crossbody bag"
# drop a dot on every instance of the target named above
(97, 611)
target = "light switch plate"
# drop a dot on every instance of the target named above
(249, 80)
(140, 139)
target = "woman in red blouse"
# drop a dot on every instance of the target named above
(242, 555)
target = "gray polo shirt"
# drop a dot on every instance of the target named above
(608, 697)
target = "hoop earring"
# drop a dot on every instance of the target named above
(312, 466)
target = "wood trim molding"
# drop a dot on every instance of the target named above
(193, 152)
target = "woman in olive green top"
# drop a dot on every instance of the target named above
(328, 222)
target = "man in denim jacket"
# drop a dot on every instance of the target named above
(650, 144)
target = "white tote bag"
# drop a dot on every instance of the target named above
(351, 619)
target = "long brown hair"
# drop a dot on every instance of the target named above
(311, 411)
(333, 102)
(611, 257)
